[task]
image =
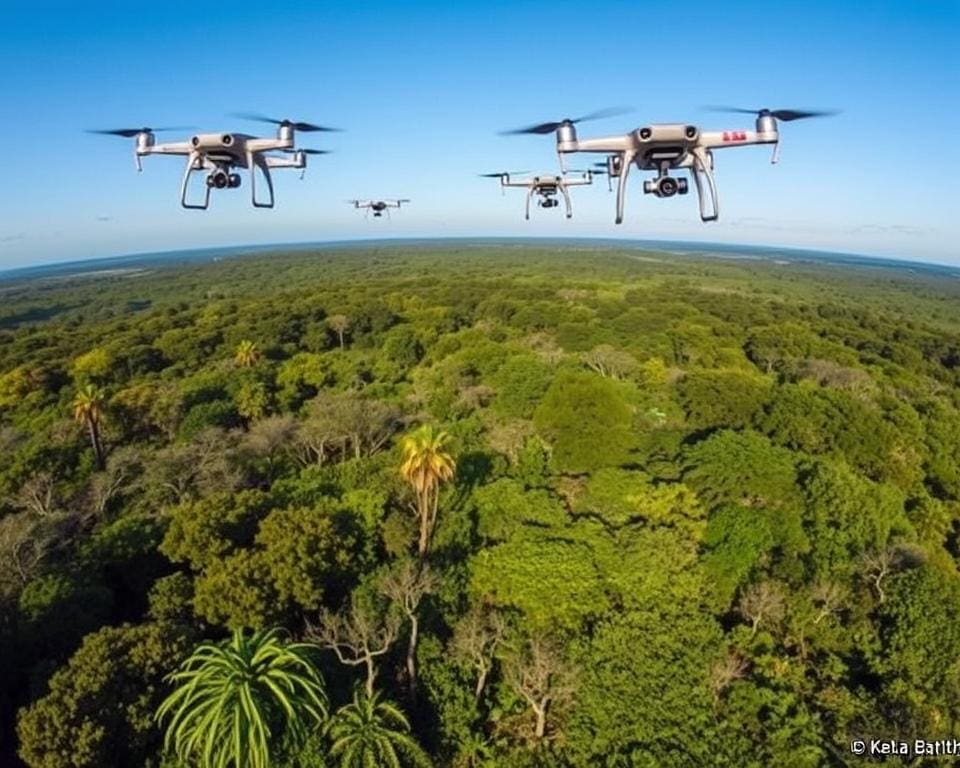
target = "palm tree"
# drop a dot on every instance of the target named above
(426, 464)
(241, 702)
(88, 410)
(339, 324)
(373, 732)
(247, 354)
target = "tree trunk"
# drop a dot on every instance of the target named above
(541, 728)
(423, 510)
(95, 440)
(481, 683)
(371, 673)
(340, 335)
(412, 656)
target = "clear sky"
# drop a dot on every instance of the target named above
(421, 89)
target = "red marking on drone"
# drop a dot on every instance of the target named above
(734, 135)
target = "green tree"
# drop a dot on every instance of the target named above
(98, 712)
(88, 411)
(247, 354)
(587, 421)
(371, 731)
(426, 463)
(243, 702)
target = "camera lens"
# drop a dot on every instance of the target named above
(668, 186)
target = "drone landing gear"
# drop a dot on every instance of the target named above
(254, 162)
(218, 178)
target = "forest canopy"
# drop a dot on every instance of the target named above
(478, 505)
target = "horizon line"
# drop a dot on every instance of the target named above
(669, 245)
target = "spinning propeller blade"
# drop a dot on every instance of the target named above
(297, 126)
(501, 173)
(781, 114)
(129, 133)
(309, 151)
(545, 128)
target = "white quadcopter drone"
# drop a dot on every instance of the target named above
(662, 147)
(220, 153)
(379, 207)
(545, 186)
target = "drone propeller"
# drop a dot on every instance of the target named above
(786, 115)
(501, 173)
(129, 133)
(309, 151)
(545, 128)
(594, 171)
(297, 126)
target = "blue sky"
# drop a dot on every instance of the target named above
(421, 89)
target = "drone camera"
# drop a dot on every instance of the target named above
(665, 186)
(691, 131)
(220, 179)
(227, 139)
(646, 133)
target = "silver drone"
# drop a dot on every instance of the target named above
(663, 147)
(220, 153)
(379, 207)
(546, 186)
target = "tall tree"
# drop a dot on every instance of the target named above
(537, 672)
(241, 702)
(406, 587)
(373, 732)
(247, 354)
(88, 410)
(358, 637)
(475, 641)
(339, 324)
(426, 464)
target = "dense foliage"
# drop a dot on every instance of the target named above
(499, 506)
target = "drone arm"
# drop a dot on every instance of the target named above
(626, 160)
(703, 169)
(566, 200)
(193, 163)
(169, 148)
(722, 139)
(255, 161)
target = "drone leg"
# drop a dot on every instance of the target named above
(191, 167)
(529, 195)
(626, 160)
(566, 199)
(254, 162)
(702, 169)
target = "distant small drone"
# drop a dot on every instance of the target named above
(221, 153)
(545, 186)
(379, 207)
(663, 147)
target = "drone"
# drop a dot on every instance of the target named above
(663, 147)
(220, 153)
(379, 207)
(546, 186)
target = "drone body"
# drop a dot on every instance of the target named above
(665, 147)
(546, 186)
(219, 154)
(378, 207)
